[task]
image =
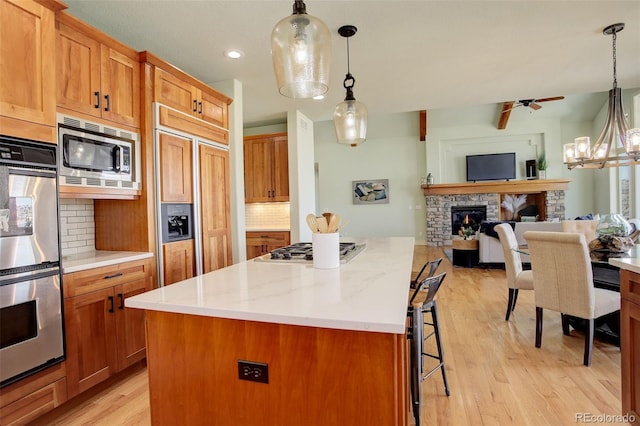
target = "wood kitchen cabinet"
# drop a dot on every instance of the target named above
(27, 85)
(96, 75)
(266, 168)
(178, 261)
(259, 243)
(102, 336)
(176, 172)
(630, 342)
(183, 95)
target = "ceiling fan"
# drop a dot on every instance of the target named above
(531, 103)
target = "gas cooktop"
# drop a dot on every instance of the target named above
(303, 252)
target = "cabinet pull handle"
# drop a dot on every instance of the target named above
(97, 95)
(121, 301)
(195, 106)
(117, 274)
(199, 107)
(110, 303)
(106, 98)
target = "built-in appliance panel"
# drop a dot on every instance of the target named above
(31, 323)
(28, 208)
(177, 222)
(97, 155)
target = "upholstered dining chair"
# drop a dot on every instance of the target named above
(517, 278)
(585, 227)
(563, 282)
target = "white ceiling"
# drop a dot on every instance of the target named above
(406, 56)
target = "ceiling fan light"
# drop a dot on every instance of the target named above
(301, 54)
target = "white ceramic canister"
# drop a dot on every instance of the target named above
(326, 250)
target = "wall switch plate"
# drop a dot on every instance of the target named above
(253, 371)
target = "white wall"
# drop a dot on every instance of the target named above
(233, 89)
(392, 151)
(302, 192)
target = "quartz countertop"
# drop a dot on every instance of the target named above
(98, 258)
(631, 263)
(367, 294)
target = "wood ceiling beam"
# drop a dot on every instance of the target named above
(504, 115)
(423, 125)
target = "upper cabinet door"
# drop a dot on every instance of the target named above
(120, 83)
(213, 109)
(95, 78)
(78, 71)
(175, 169)
(27, 43)
(280, 169)
(175, 93)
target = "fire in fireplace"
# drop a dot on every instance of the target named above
(467, 216)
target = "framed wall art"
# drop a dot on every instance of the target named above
(370, 191)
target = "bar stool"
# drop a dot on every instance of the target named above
(432, 265)
(421, 301)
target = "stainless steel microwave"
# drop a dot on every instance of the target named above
(92, 154)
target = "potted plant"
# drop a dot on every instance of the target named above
(541, 165)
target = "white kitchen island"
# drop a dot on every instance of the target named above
(334, 342)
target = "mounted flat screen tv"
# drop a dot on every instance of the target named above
(491, 167)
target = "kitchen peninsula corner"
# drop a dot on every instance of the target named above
(334, 342)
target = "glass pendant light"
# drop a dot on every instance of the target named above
(301, 53)
(350, 116)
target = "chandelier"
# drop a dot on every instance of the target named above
(617, 145)
(350, 116)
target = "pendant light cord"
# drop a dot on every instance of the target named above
(615, 79)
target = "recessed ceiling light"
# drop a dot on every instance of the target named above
(233, 53)
(319, 97)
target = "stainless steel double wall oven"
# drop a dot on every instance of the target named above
(31, 321)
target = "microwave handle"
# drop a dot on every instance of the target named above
(117, 153)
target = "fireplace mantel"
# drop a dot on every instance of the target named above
(501, 187)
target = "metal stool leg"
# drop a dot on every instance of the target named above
(416, 363)
(436, 327)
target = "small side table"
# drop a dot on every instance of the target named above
(465, 253)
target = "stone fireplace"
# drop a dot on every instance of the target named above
(546, 194)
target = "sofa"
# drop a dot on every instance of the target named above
(490, 249)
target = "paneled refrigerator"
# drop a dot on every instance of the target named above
(192, 196)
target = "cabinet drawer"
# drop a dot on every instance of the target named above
(269, 238)
(35, 404)
(630, 286)
(83, 282)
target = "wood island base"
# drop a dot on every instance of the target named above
(317, 376)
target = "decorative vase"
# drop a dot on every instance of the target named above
(613, 225)
(542, 174)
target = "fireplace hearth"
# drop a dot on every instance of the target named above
(467, 216)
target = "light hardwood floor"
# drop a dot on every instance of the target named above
(496, 375)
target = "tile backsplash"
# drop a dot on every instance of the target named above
(267, 215)
(77, 226)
